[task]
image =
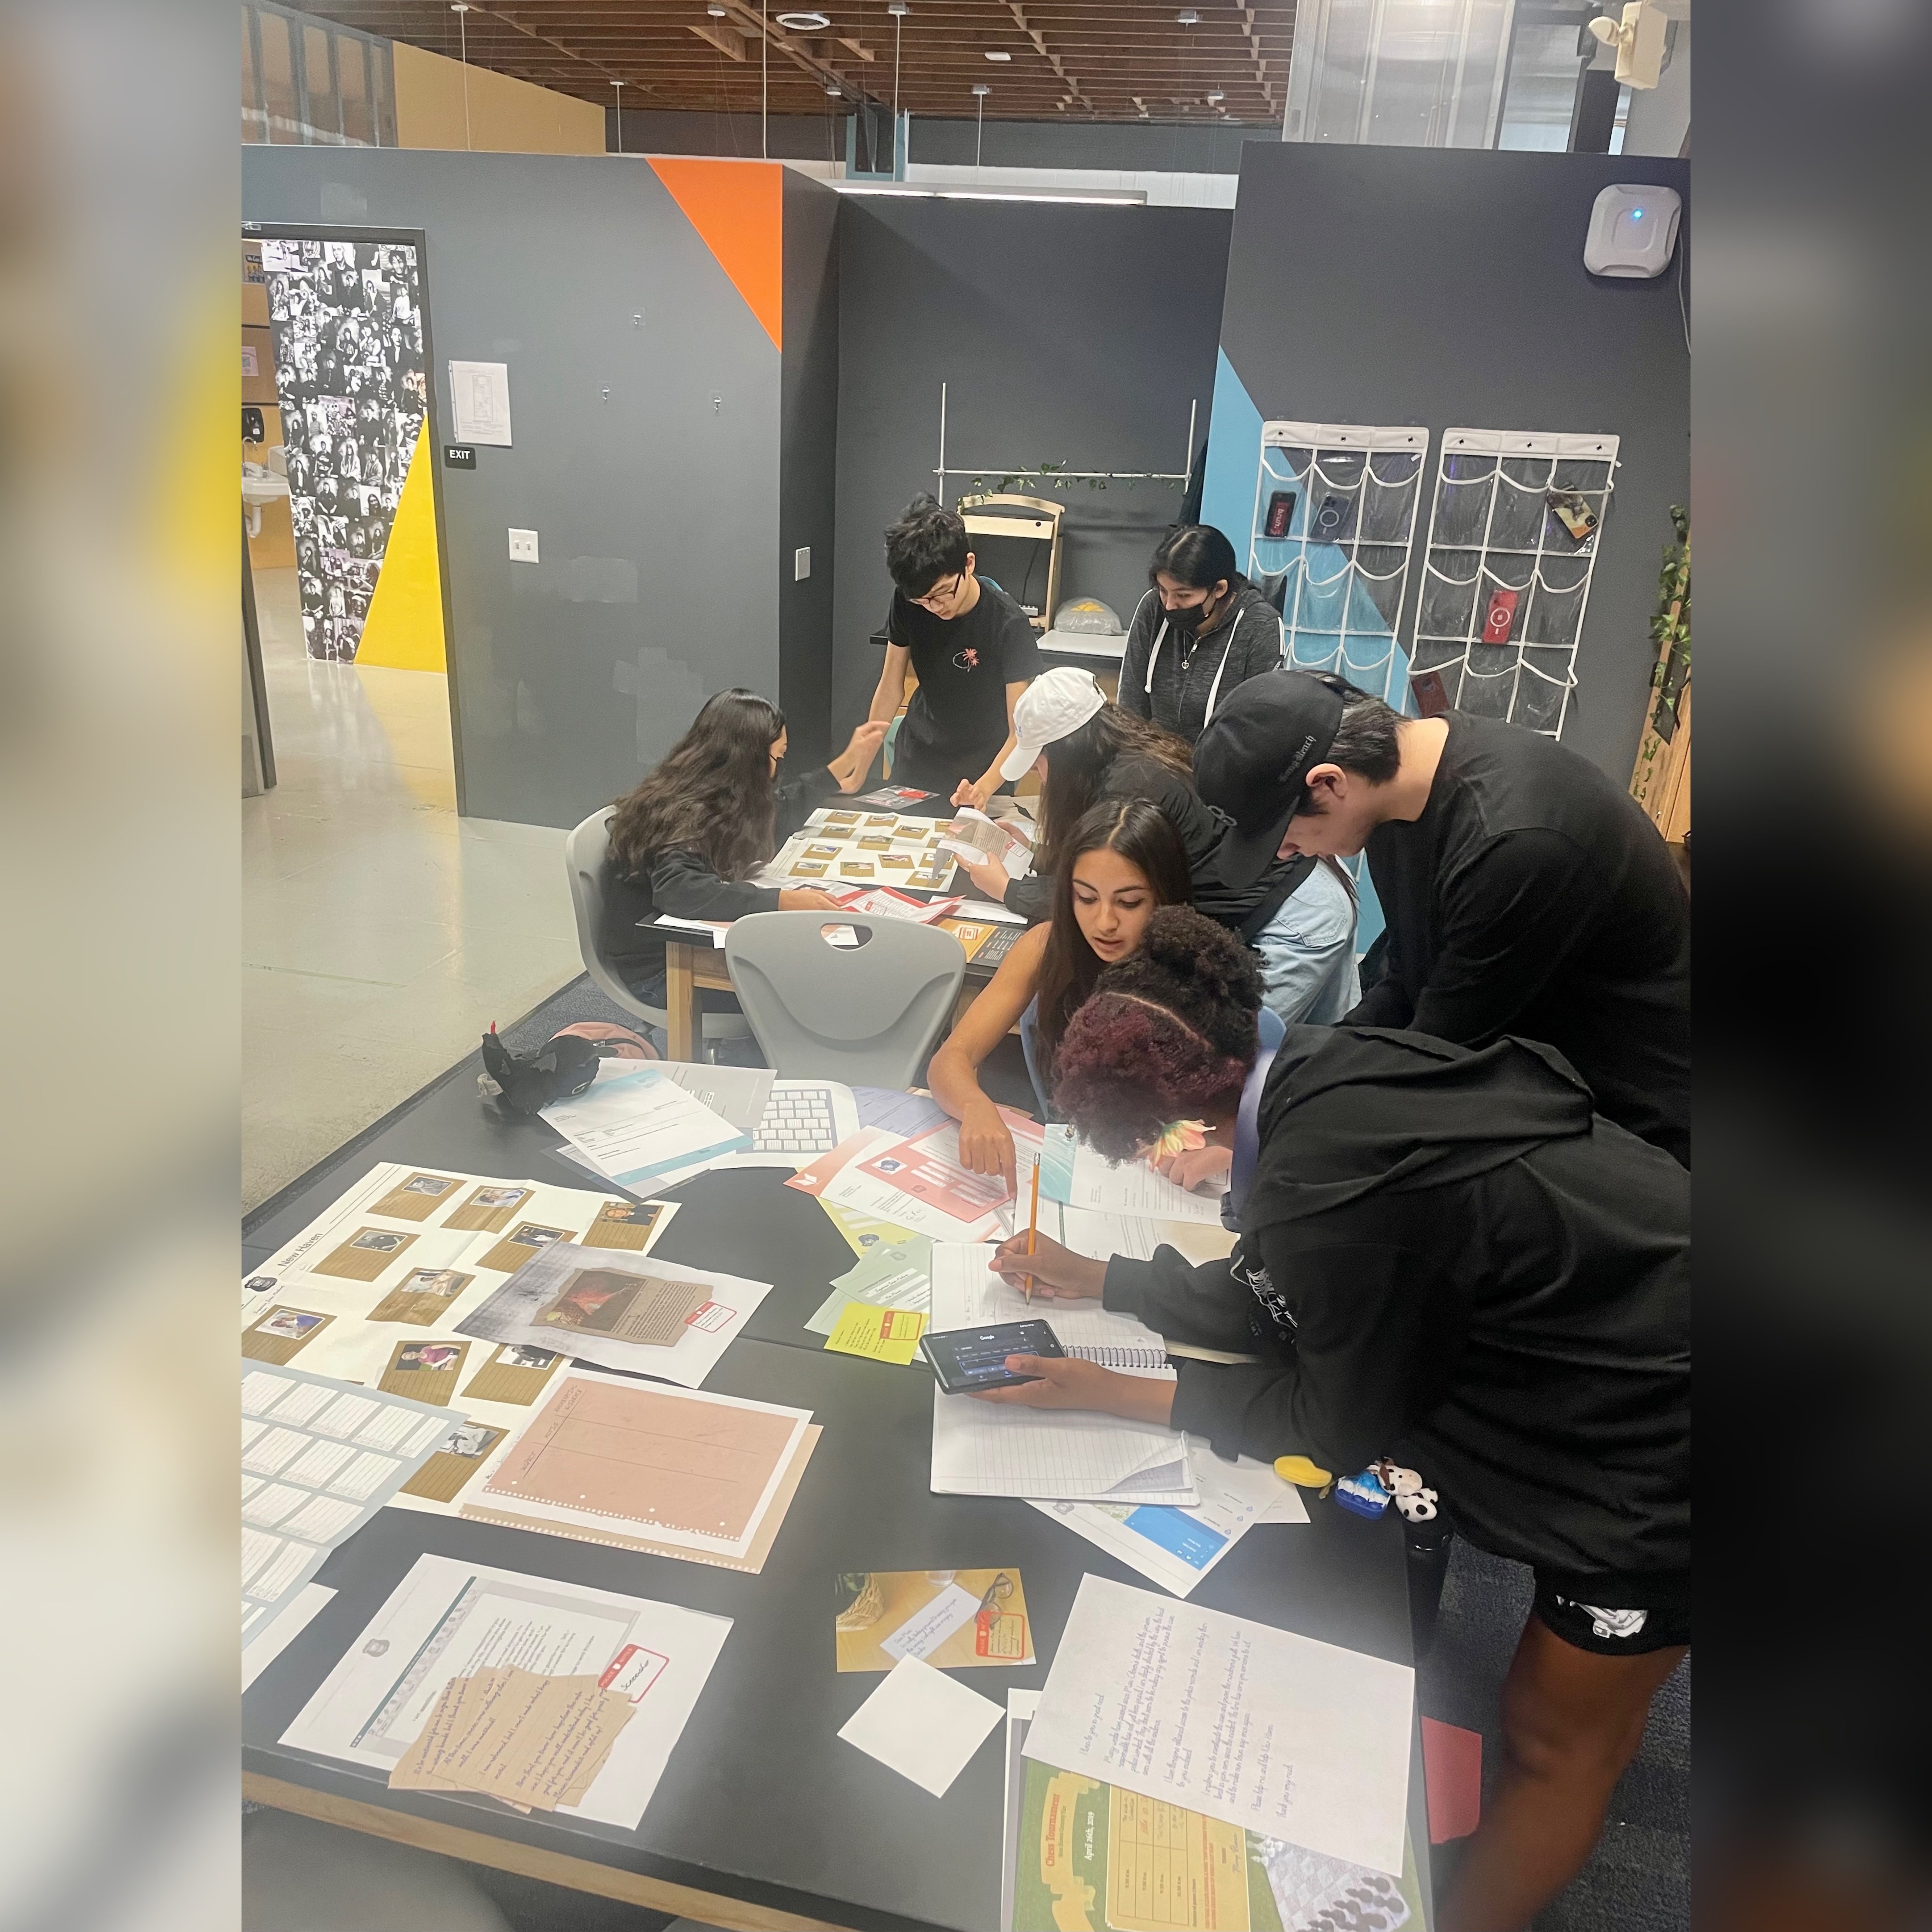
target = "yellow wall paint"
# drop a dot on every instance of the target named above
(506, 116)
(404, 628)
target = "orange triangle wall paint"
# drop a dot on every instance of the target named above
(738, 207)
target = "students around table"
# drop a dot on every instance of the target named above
(971, 648)
(686, 841)
(1200, 630)
(1525, 893)
(1299, 916)
(1448, 1258)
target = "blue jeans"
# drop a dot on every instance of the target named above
(1307, 953)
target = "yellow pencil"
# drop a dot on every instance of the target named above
(1032, 1224)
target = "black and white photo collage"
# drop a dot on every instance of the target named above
(347, 319)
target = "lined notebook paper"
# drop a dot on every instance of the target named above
(967, 1294)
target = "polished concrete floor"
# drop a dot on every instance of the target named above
(381, 933)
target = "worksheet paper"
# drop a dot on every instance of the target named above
(892, 1275)
(923, 1724)
(319, 1458)
(917, 1184)
(1275, 1733)
(600, 1305)
(1075, 1173)
(447, 1619)
(639, 1127)
(967, 1294)
(1176, 1547)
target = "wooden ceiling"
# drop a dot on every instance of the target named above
(1084, 60)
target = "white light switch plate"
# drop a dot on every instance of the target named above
(801, 564)
(523, 547)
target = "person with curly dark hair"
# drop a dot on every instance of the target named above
(687, 841)
(1446, 1258)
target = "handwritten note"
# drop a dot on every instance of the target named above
(880, 1334)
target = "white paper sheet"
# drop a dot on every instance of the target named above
(923, 1724)
(638, 1125)
(933, 1157)
(967, 1294)
(268, 1642)
(1176, 1547)
(1275, 1733)
(1075, 1174)
(479, 397)
(926, 1629)
(447, 1619)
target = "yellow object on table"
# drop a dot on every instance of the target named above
(1303, 1473)
(879, 1334)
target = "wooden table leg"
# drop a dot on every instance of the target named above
(680, 1002)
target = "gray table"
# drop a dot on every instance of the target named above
(764, 1819)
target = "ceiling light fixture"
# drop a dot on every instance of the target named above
(980, 87)
(997, 54)
(1215, 97)
(1187, 17)
(808, 21)
(898, 9)
(716, 12)
(832, 88)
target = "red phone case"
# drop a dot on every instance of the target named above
(1500, 619)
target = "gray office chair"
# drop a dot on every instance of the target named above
(867, 1015)
(583, 854)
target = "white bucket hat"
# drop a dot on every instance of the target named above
(1054, 705)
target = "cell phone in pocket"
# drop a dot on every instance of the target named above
(1335, 520)
(1280, 512)
(1499, 620)
(1573, 512)
(966, 1359)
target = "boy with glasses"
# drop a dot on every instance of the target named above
(970, 646)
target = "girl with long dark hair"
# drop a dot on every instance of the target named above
(1201, 629)
(1450, 1260)
(1299, 916)
(686, 841)
(1124, 859)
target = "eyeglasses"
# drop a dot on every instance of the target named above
(935, 596)
(997, 1591)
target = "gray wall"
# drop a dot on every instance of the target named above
(657, 510)
(1064, 333)
(1439, 286)
(809, 463)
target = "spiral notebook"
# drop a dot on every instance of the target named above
(967, 1294)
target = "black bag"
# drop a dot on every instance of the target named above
(522, 1083)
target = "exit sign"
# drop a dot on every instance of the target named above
(459, 455)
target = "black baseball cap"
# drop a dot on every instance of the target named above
(1253, 760)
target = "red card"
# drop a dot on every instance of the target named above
(1500, 619)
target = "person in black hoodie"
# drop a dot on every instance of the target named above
(1200, 629)
(687, 840)
(1446, 1257)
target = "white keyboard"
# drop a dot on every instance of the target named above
(798, 1118)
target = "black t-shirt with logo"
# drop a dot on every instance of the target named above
(957, 719)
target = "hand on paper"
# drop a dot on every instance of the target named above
(972, 792)
(990, 878)
(985, 1141)
(850, 768)
(1204, 1170)
(1067, 1382)
(806, 898)
(1058, 1273)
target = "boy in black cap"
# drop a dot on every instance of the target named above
(1524, 892)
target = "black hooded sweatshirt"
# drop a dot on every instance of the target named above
(1446, 1258)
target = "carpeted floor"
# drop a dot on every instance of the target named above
(1639, 1879)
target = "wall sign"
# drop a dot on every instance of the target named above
(459, 456)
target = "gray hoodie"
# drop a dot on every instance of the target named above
(1180, 680)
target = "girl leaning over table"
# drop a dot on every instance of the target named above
(687, 841)
(1447, 1259)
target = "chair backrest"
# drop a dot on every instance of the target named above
(867, 1015)
(584, 851)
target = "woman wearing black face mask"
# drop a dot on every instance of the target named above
(1201, 629)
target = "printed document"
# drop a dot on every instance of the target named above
(1075, 1173)
(1258, 1727)
(638, 1125)
(448, 1620)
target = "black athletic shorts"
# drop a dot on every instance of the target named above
(1616, 1616)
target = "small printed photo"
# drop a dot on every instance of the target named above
(498, 1197)
(806, 868)
(519, 1355)
(467, 1438)
(885, 819)
(540, 1237)
(823, 851)
(429, 1357)
(841, 818)
(288, 1323)
(898, 860)
(426, 1183)
(378, 1239)
(433, 1281)
(856, 869)
(873, 842)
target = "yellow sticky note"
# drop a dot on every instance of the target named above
(880, 1334)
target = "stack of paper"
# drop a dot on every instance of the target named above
(974, 836)
(705, 1477)
(1176, 1547)
(642, 1129)
(920, 1183)
(535, 1649)
(1073, 1172)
